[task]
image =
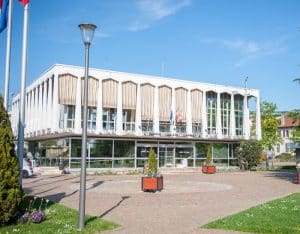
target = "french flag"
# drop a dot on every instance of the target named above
(3, 14)
(23, 2)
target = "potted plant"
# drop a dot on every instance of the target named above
(208, 167)
(151, 181)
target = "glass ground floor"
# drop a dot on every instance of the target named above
(125, 153)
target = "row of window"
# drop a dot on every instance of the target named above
(67, 118)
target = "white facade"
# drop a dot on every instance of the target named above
(218, 107)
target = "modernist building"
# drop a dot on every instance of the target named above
(130, 113)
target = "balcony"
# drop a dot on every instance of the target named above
(109, 127)
(129, 127)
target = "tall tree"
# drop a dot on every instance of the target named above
(10, 189)
(269, 125)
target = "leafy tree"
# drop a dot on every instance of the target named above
(296, 135)
(269, 125)
(152, 163)
(10, 189)
(208, 160)
(248, 154)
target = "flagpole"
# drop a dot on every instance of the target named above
(22, 93)
(8, 53)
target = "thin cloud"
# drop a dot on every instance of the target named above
(250, 50)
(150, 11)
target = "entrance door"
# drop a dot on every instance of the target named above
(166, 156)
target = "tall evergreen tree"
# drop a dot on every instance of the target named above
(10, 189)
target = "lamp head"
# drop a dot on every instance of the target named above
(87, 32)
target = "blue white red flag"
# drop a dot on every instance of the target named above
(3, 14)
(24, 2)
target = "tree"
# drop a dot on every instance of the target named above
(10, 190)
(248, 154)
(269, 125)
(152, 163)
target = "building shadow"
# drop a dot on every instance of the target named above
(287, 175)
(114, 207)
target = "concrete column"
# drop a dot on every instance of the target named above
(189, 127)
(27, 113)
(77, 121)
(156, 112)
(36, 115)
(258, 119)
(99, 119)
(232, 117)
(173, 109)
(40, 107)
(204, 115)
(119, 122)
(49, 103)
(246, 118)
(55, 119)
(219, 122)
(44, 110)
(138, 118)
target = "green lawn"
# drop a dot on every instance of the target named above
(59, 219)
(278, 216)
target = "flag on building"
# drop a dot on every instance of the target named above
(171, 118)
(3, 14)
(23, 2)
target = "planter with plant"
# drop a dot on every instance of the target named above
(208, 167)
(151, 181)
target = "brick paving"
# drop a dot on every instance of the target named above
(188, 200)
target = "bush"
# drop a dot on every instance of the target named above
(152, 163)
(286, 157)
(10, 190)
(249, 154)
(208, 160)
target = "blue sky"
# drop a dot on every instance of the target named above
(214, 41)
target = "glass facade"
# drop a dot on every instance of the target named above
(225, 113)
(109, 119)
(66, 116)
(211, 108)
(238, 111)
(109, 153)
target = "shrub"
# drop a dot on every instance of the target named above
(208, 160)
(152, 163)
(10, 190)
(286, 157)
(248, 154)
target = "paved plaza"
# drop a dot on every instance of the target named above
(188, 200)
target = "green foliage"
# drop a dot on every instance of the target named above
(286, 157)
(208, 160)
(10, 190)
(59, 219)
(269, 125)
(152, 163)
(278, 216)
(296, 135)
(249, 154)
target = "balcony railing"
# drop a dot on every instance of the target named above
(129, 127)
(109, 126)
(147, 128)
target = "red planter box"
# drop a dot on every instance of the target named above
(208, 169)
(152, 184)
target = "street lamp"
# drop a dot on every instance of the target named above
(87, 31)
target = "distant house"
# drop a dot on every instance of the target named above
(286, 125)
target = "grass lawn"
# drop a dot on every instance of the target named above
(59, 219)
(278, 216)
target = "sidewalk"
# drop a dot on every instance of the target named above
(187, 201)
